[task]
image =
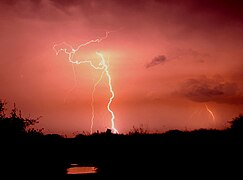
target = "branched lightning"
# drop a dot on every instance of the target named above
(102, 66)
(211, 113)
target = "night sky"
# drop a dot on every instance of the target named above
(168, 60)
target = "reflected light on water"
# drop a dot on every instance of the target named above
(81, 170)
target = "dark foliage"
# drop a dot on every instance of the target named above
(237, 124)
(14, 125)
(182, 154)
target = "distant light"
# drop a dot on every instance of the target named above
(74, 164)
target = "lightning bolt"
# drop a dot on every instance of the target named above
(210, 112)
(70, 51)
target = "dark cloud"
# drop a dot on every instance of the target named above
(204, 89)
(156, 60)
(229, 9)
(186, 11)
(219, 10)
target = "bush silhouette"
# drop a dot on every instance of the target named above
(14, 125)
(236, 126)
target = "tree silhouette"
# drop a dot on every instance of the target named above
(237, 123)
(14, 125)
(236, 126)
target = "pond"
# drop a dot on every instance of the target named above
(78, 169)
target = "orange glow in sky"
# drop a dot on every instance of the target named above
(167, 59)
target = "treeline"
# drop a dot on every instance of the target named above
(29, 152)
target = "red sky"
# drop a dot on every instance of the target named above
(167, 59)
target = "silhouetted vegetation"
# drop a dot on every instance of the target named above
(236, 124)
(14, 125)
(29, 152)
(25, 150)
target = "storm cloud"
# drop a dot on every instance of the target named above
(216, 89)
(156, 61)
(122, 11)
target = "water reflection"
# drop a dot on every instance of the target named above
(76, 169)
